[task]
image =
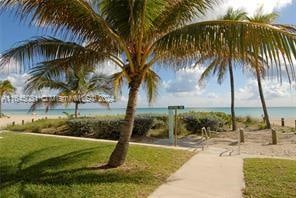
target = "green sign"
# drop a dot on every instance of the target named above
(175, 107)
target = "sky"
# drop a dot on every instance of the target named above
(181, 87)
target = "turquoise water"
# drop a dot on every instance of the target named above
(274, 112)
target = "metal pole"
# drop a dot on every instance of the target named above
(175, 129)
(239, 142)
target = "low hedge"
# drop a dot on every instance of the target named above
(195, 121)
(106, 129)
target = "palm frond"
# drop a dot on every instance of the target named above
(50, 51)
(74, 18)
(211, 37)
(151, 84)
(118, 80)
(177, 13)
(6, 88)
(234, 14)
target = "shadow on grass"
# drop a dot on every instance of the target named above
(52, 171)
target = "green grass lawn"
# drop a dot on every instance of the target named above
(270, 178)
(34, 166)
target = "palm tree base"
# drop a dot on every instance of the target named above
(118, 156)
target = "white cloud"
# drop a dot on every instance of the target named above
(185, 83)
(272, 90)
(249, 6)
(18, 81)
(108, 68)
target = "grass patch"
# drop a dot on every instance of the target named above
(270, 178)
(34, 166)
(38, 125)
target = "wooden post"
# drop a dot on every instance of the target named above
(13, 123)
(283, 122)
(23, 122)
(274, 136)
(46, 118)
(242, 135)
(32, 119)
(208, 132)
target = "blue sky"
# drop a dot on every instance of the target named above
(181, 87)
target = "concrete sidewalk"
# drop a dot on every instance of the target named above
(206, 175)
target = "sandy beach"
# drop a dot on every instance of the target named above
(18, 119)
(288, 122)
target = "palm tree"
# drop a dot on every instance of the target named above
(221, 66)
(136, 35)
(73, 84)
(259, 17)
(6, 88)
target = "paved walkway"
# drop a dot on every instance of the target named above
(206, 175)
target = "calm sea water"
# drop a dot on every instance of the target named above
(275, 112)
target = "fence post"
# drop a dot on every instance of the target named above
(283, 122)
(209, 132)
(274, 136)
(242, 135)
(13, 123)
(32, 119)
(23, 122)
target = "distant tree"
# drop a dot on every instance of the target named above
(72, 82)
(6, 88)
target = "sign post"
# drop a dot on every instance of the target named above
(173, 124)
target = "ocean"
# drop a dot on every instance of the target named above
(274, 112)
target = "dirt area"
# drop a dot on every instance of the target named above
(256, 142)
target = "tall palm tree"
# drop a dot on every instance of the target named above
(72, 83)
(136, 35)
(259, 17)
(6, 88)
(226, 62)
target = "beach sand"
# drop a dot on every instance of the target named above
(18, 119)
(288, 122)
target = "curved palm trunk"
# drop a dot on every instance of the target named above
(233, 121)
(118, 156)
(266, 117)
(76, 109)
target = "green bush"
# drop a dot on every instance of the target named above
(106, 128)
(195, 121)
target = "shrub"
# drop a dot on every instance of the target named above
(195, 121)
(106, 128)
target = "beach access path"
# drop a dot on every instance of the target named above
(205, 175)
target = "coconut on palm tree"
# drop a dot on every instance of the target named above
(73, 84)
(6, 88)
(137, 35)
